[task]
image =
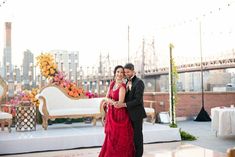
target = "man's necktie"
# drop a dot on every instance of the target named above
(129, 84)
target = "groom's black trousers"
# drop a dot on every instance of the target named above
(138, 137)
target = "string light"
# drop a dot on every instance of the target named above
(204, 15)
(2, 2)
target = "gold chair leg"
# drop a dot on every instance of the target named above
(94, 121)
(44, 122)
(9, 125)
(102, 120)
(231, 152)
(153, 118)
(2, 125)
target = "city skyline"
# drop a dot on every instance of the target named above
(92, 28)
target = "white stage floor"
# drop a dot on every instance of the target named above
(76, 135)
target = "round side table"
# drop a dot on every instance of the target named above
(25, 117)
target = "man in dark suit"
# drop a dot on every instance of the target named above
(135, 106)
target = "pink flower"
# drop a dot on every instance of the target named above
(90, 95)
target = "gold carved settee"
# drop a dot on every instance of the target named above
(55, 103)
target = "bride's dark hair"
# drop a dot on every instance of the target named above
(115, 70)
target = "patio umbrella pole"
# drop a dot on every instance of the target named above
(203, 115)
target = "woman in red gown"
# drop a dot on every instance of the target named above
(118, 129)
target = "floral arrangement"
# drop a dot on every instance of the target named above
(91, 95)
(70, 87)
(21, 97)
(25, 95)
(32, 96)
(49, 70)
(47, 65)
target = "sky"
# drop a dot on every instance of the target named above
(101, 26)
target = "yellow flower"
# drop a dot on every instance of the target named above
(54, 66)
(47, 64)
(52, 71)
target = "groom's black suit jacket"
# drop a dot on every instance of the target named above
(134, 100)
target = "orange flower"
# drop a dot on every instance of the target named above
(75, 94)
(70, 93)
(80, 91)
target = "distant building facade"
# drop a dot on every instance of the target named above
(7, 54)
(68, 61)
(213, 80)
(28, 68)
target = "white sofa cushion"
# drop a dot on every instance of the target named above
(149, 110)
(77, 111)
(55, 98)
(4, 115)
(58, 103)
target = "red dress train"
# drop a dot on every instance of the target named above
(118, 130)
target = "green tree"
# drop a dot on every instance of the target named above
(173, 77)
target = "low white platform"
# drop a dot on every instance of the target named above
(76, 135)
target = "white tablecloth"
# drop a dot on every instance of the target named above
(223, 121)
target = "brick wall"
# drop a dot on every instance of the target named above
(189, 104)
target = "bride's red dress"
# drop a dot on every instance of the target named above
(118, 130)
